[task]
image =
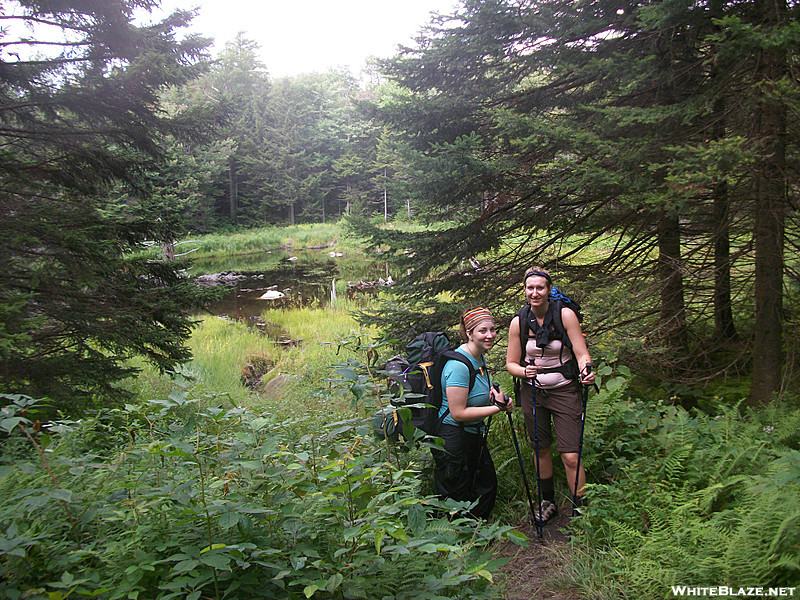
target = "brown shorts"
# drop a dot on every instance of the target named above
(563, 406)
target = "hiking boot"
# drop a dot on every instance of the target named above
(549, 510)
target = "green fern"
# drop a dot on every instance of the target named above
(707, 500)
(674, 466)
(625, 537)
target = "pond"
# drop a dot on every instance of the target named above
(282, 279)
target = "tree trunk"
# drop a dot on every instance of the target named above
(673, 310)
(724, 327)
(770, 214)
(167, 251)
(385, 199)
(233, 192)
(669, 263)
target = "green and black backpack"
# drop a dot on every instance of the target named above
(415, 381)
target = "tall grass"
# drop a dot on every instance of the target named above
(271, 238)
(222, 349)
(332, 236)
(261, 239)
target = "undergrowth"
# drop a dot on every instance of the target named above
(183, 497)
(687, 498)
(188, 494)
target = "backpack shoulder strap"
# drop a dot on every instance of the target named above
(556, 306)
(448, 355)
(473, 372)
(524, 315)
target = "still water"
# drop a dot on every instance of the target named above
(291, 280)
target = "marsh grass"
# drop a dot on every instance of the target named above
(331, 236)
(270, 238)
(222, 348)
(262, 239)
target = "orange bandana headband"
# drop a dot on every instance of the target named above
(475, 316)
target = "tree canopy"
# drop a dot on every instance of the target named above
(636, 148)
(80, 88)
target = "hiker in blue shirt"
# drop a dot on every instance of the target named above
(464, 469)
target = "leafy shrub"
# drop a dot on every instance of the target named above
(215, 503)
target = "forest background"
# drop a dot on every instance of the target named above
(646, 153)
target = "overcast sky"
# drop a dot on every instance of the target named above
(299, 36)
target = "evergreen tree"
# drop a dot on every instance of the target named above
(239, 82)
(80, 86)
(539, 123)
(314, 142)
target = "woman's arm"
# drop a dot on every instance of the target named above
(579, 348)
(457, 402)
(514, 353)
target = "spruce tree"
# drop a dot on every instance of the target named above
(634, 124)
(80, 83)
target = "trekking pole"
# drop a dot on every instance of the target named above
(536, 450)
(580, 445)
(480, 453)
(521, 464)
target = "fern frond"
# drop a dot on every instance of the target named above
(674, 465)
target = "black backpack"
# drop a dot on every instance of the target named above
(416, 379)
(558, 300)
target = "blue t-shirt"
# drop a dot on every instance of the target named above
(456, 374)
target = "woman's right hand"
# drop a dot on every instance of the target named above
(530, 371)
(501, 400)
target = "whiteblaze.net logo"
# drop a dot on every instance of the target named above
(726, 591)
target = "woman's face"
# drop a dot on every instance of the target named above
(536, 290)
(483, 334)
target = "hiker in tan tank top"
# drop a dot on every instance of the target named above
(557, 373)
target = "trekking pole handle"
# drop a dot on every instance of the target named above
(506, 397)
(528, 363)
(587, 370)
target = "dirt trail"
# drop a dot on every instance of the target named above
(529, 571)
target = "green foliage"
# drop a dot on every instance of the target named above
(688, 498)
(81, 114)
(183, 501)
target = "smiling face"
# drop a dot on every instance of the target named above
(536, 290)
(483, 335)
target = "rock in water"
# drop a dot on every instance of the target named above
(271, 295)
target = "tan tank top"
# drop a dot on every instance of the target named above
(548, 357)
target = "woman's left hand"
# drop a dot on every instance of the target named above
(587, 374)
